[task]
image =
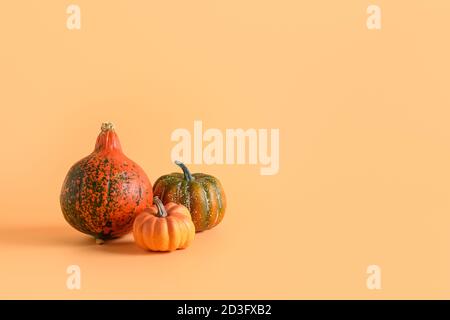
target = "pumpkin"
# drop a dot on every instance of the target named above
(103, 192)
(201, 193)
(164, 228)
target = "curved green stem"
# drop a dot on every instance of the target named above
(187, 174)
(162, 213)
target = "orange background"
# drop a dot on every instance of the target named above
(364, 152)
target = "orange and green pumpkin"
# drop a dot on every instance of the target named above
(104, 192)
(201, 193)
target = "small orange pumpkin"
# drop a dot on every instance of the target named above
(164, 228)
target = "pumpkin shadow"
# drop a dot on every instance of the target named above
(124, 246)
(64, 236)
(48, 236)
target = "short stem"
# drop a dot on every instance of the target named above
(106, 126)
(187, 174)
(162, 213)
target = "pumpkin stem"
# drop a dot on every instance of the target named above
(162, 213)
(107, 140)
(187, 174)
(107, 126)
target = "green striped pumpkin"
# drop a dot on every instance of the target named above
(201, 193)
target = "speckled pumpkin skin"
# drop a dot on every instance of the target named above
(203, 196)
(103, 192)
